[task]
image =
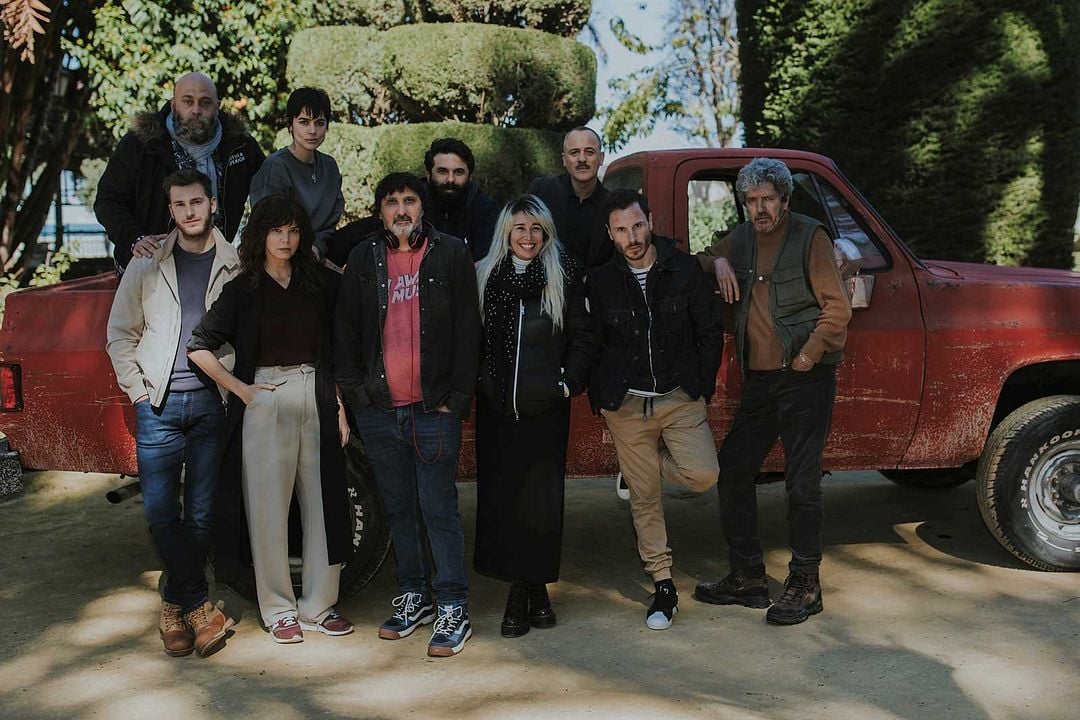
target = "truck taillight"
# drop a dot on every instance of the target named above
(10, 388)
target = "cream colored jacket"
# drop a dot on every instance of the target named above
(144, 325)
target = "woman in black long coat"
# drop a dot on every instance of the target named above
(285, 425)
(538, 349)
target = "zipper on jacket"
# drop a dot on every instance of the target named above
(648, 339)
(517, 354)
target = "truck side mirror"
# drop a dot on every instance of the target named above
(849, 261)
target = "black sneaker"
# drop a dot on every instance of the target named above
(738, 588)
(664, 606)
(541, 614)
(515, 622)
(801, 599)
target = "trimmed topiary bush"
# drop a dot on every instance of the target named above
(959, 119)
(507, 159)
(561, 17)
(356, 56)
(472, 73)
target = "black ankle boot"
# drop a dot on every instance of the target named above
(541, 614)
(515, 622)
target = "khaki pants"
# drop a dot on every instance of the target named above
(281, 451)
(688, 459)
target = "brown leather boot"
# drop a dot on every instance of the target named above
(210, 626)
(175, 634)
(801, 599)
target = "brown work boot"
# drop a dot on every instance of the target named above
(801, 599)
(175, 634)
(740, 587)
(210, 626)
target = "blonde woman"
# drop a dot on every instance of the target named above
(537, 352)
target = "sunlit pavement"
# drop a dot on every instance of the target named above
(925, 617)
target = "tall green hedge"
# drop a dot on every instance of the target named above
(561, 17)
(959, 119)
(468, 72)
(507, 159)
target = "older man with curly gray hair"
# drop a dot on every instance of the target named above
(791, 317)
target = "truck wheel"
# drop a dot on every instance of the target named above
(1029, 483)
(930, 477)
(371, 535)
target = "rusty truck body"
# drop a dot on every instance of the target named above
(952, 371)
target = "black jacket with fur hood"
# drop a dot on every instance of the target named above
(130, 200)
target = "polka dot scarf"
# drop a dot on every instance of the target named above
(501, 295)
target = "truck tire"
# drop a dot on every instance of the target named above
(930, 477)
(371, 534)
(1027, 483)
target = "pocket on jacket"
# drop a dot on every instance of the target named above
(789, 286)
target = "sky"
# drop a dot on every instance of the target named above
(644, 18)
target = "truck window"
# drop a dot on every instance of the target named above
(849, 225)
(629, 178)
(710, 207)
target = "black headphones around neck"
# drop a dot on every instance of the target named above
(417, 237)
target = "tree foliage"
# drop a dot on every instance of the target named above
(561, 17)
(140, 47)
(43, 98)
(694, 85)
(959, 119)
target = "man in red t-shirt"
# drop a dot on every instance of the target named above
(407, 339)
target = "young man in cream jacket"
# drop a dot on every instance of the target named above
(180, 421)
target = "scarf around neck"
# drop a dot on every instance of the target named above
(202, 155)
(504, 289)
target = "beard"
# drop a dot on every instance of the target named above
(448, 193)
(199, 232)
(195, 130)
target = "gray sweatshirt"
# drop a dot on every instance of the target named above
(316, 187)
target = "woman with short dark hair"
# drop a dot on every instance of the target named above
(300, 171)
(538, 348)
(286, 425)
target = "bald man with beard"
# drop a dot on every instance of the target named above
(189, 131)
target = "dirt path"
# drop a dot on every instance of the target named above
(925, 617)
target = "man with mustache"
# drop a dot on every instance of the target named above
(575, 198)
(407, 352)
(661, 338)
(791, 318)
(456, 204)
(190, 131)
(179, 420)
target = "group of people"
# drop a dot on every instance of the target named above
(250, 368)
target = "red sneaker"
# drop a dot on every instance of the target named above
(287, 630)
(333, 624)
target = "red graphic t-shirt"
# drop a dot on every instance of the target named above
(401, 333)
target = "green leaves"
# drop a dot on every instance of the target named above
(694, 85)
(959, 119)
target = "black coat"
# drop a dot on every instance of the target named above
(472, 220)
(234, 319)
(556, 192)
(687, 330)
(449, 325)
(130, 200)
(544, 358)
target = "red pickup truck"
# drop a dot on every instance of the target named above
(952, 370)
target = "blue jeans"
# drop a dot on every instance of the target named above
(414, 456)
(187, 431)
